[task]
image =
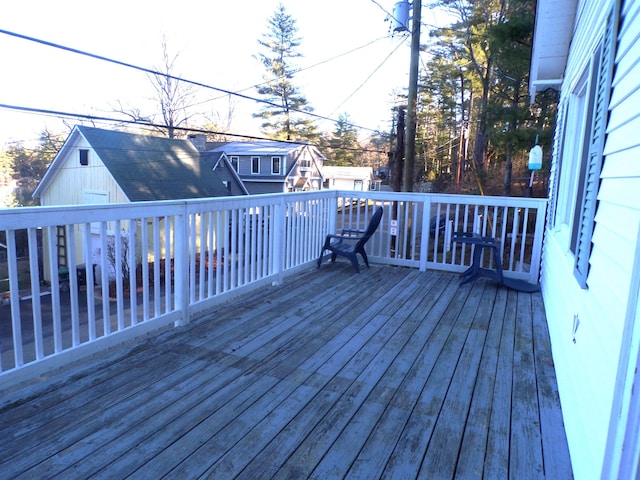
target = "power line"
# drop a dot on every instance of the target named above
(96, 118)
(168, 76)
(368, 77)
(310, 66)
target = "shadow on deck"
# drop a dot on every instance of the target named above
(391, 373)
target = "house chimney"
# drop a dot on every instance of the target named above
(199, 141)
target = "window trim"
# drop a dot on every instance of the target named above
(83, 156)
(255, 161)
(236, 165)
(273, 163)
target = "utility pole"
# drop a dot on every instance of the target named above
(396, 169)
(410, 138)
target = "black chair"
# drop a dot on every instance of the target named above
(351, 242)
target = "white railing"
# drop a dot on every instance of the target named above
(175, 259)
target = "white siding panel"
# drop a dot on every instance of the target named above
(620, 219)
(625, 112)
(609, 266)
(585, 368)
(625, 163)
(629, 27)
(629, 34)
(618, 191)
(626, 78)
(623, 137)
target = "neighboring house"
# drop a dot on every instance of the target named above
(106, 166)
(590, 52)
(348, 178)
(220, 163)
(96, 166)
(273, 167)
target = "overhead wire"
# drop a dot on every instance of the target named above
(310, 66)
(368, 77)
(97, 118)
(166, 75)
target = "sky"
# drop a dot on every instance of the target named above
(216, 44)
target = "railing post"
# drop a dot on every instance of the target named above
(280, 225)
(333, 214)
(424, 238)
(536, 253)
(14, 298)
(181, 266)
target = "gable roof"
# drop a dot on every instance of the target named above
(145, 167)
(258, 148)
(219, 160)
(293, 151)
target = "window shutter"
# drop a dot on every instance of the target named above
(596, 146)
(556, 166)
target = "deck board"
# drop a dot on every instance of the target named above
(392, 373)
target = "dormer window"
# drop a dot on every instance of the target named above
(276, 165)
(84, 156)
(255, 165)
(235, 161)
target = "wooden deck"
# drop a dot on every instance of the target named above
(392, 373)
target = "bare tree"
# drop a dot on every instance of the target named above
(174, 96)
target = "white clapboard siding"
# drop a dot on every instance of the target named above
(587, 324)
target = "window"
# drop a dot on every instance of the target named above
(587, 204)
(84, 156)
(255, 165)
(235, 161)
(276, 163)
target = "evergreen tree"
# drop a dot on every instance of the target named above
(28, 166)
(474, 99)
(283, 117)
(342, 147)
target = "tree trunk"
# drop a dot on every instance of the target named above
(507, 175)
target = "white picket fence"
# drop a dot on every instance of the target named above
(176, 259)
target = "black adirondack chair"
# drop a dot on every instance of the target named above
(350, 243)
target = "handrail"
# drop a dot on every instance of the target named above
(176, 259)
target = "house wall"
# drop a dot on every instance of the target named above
(337, 183)
(246, 162)
(587, 324)
(258, 188)
(73, 179)
(230, 179)
(76, 184)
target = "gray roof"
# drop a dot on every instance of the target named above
(154, 168)
(258, 148)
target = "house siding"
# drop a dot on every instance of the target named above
(586, 357)
(73, 179)
(259, 188)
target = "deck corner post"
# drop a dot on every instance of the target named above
(536, 252)
(279, 239)
(424, 239)
(181, 267)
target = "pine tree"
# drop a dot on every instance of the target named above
(343, 144)
(283, 116)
